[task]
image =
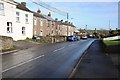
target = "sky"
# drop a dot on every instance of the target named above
(94, 14)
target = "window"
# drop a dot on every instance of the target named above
(9, 27)
(17, 17)
(1, 9)
(23, 30)
(35, 22)
(26, 18)
(47, 22)
(52, 31)
(41, 22)
(34, 32)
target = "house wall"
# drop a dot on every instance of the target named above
(38, 28)
(10, 16)
(64, 30)
(28, 26)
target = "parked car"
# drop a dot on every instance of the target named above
(71, 38)
(78, 37)
(36, 38)
(84, 37)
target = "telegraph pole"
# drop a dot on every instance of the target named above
(86, 27)
(109, 24)
(109, 28)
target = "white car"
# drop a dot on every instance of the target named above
(84, 37)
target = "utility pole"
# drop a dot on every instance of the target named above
(86, 27)
(109, 24)
(109, 28)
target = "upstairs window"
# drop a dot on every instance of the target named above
(26, 18)
(41, 22)
(35, 22)
(9, 27)
(23, 30)
(17, 17)
(1, 9)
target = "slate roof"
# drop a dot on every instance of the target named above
(38, 15)
(22, 7)
(48, 18)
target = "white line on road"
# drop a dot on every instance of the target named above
(22, 63)
(58, 49)
(71, 44)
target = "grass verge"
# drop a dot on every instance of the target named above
(111, 42)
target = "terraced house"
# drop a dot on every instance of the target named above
(19, 22)
(16, 20)
(39, 24)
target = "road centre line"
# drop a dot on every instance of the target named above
(71, 44)
(22, 63)
(58, 49)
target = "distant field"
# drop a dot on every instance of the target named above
(111, 42)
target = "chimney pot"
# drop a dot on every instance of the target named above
(49, 14)
(61, 20)
(38, 11)
(56, 19)
(23, 3)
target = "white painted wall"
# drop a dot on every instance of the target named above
(10, 16)
(28, 26)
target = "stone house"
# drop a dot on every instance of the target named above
(39, 24)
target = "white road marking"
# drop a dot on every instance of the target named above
(22, 63)
(58, 49)
(71, 44)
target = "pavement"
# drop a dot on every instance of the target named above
(97, 64)
(21, 45)
(25, 44)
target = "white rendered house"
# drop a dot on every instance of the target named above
(16, 20)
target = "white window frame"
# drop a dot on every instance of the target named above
(41, 22)
(35, 21)
(1, 8)
(9, 27)
(26, 18)
(23, 30)
(17, 16)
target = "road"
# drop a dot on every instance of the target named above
(44, 61)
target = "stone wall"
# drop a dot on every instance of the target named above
(54, 39)
(112, 38)
(6, 43)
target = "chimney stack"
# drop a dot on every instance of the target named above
(49, 14)
(56, 19)
(66, 21)
(39, 11)
(23, 3)
(61, 20)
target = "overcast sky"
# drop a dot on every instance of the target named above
(94, 14)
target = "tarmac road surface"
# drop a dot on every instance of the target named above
(44, 61)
